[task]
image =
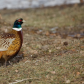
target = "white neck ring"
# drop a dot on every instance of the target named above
(17, 29)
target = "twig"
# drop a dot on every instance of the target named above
(17, 81)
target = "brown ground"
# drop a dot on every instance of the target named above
(53, 47)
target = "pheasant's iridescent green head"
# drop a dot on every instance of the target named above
(17, 24)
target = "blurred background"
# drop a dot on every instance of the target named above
(34, 3)
(44, 14)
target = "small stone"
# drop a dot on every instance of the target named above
(67, 81)
(39, 31)
(82, 47)
(47, 76)
(78, 73)
(81, 52)
(53, 72)
(50, 51)
(82, 82)
(73, 50)
(39, 46)
(45, 47)
(65, 43)
(16, 71)
(58, 48)
(34, 51)
(47, 33)
(34, 56)
(78, 35)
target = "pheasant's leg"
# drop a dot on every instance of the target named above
(5, 63)
(5, 58)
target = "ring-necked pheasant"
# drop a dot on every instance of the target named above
(10, 43)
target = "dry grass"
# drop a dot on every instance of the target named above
(47, 59)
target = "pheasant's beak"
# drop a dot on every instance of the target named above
(23, 21)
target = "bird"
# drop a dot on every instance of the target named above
(11, 42)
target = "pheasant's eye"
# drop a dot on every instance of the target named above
(19, 20)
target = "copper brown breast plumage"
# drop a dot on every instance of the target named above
(10, 43)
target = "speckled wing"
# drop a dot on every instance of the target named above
(6, 40)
